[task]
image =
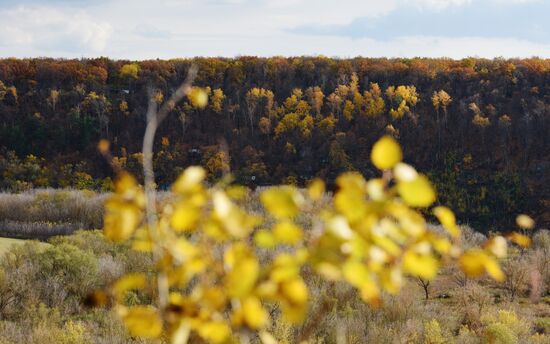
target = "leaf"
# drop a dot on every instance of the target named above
(420, 265)
(121, 220)
(520, 239)
(189, 180)
(417, 193)
(242, 278)
(404, 172)
(475, 262)
(498, 246)
(316, 189)
(525, 221)
(356, 274)
(265, 239)
(143, 321)
(447, 218)
(255, 315)
(282, 202)
(375, 189)
(267, 338)
(185, 217)
(198, 97)
(386, 153)
(287, 233)
(472, 262)
(129, 282)
(214, 331)
(493, 269)
(295, 291)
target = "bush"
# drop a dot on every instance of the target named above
(433, 333)
(498, 333)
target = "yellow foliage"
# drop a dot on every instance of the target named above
(142, 321)
(386, 153)
(524, 221)
(417, 192)
(207, 247)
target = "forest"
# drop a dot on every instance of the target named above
(479, 128)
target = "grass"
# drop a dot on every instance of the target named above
(7, 243)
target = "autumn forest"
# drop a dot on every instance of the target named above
(478, 127)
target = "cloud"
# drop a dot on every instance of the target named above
(137, 29)
(44, 29)
(483, 19)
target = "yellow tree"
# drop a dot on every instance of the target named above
(441, 100)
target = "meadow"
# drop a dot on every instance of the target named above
(44, 287)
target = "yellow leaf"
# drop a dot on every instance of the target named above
(267, 338)
(287, 233)
(185, 217)
(264, 238)
(316, 189)
(420, 265)
(242, 278)
(282, 202)
(295, 291)
(493, 269)
(447, 218)
(472, 262)
(520, 239)
(498, 246)
(351, 204)
(391, 280)
(124, 182)
(198, 97)
(386, 153)
(370, 293)
(375, 189)
(352, 181)
(525, 221)
(143, 321)
(190, 180)
(356, 274)
(255, 315)
(417, 193)
(121, 220)
(129, 282)
(328, 271)
(214, 331)
(404, 172)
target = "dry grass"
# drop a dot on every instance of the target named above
(42, 213)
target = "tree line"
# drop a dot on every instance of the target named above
(478, 127)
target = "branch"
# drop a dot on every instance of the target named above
(154, 119)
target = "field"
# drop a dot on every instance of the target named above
(7, 243)
(42, 293)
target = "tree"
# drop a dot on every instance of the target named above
(402, 99)
(440, 100)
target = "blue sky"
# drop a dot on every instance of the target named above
(136, 29)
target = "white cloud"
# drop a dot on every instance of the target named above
(48, 29)
(139, 29)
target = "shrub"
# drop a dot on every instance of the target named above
(433, 333)
(498, 333)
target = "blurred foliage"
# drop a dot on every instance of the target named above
(222, 271)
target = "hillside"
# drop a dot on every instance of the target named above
(478, 127)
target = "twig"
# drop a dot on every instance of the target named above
(154, 119)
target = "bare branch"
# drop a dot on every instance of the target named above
(154, 119)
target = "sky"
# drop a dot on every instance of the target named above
(137, 29)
